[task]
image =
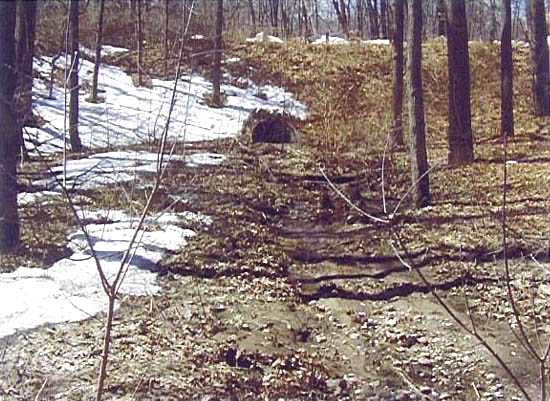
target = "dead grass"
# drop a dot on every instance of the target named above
(347, 90)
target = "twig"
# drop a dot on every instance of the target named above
(383, 172)
(459, 321)
(348, 201)
(37, 397)
(437, 164)
(476, 391)
(507, 277)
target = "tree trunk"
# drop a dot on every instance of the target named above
(217, 73)
(186, 16)
(25, 36)
(317, 19)
(417, 135)
(9, 131)
(76, 145)
(461, 146)
(274, 13)
(441, 18)
(383, 18)
(539, 57)
(106, 347)
(24, 52)
(139, 44)
(341, 14)
(494, 22)
(372, 11)
(507, 72)
(345, 16)
(397, 72)
(252, 16)
(306, 21)
(517, 24)
(360, 17)
(166, 27)
(98, 40)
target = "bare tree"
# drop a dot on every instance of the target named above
(166, 27)
(461, 146)
(384, 18)
(397, 73)
(507, 72)
(417, 134)
(441, 11)
(9, 141)
(98, 40)
(25, 33)
(25, 36)
(341, 13)
(252, 15)
(539, 57)
(372, 10)
(217, 73)
(76, 145)
(494, 21)
(360, 16)
(274, 13)
(139, 39)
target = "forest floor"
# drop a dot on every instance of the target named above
(291, 293)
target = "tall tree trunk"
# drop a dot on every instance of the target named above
(274, 13)
(9, 135)
(139, 39)
(185, 15)
(461, 146)
(166, 28)
(217, 73)
(441, 11)
(372, 11)
(384, 18)
(516, 17)
(317, 19)
(25, 36)
(417, 134)
(340, 9)
(397, 73)
(252, 16)
(539, 57)
(76, 145)
(286, 27)
(98, 42)
(494, 22)
(507, 72)
(306, 21)
(360, 17)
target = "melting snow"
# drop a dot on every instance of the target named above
(70, 289)
(131, 115)
(263, 37)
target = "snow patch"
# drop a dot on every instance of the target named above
(71, 290)
(130, 114)
(263, 37)
(111, 168)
